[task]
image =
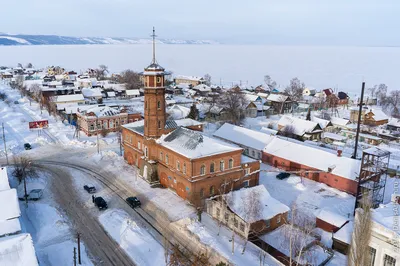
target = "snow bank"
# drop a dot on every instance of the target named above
(140, 246)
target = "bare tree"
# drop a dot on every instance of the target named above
(288, 131)
(207, 78)
(29, 65)
(131, 79)
(23, 169)
(104, 132)
(101, 72)
(381, 91)
(234, 102)
(252, 212)
(20, 65)
(359, 249)
(297, 235)
(295, 89)
(271, 84)
(392, 102)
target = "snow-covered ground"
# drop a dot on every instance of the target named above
(50, 228)
(140, 246)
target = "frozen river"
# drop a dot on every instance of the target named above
(319, 67)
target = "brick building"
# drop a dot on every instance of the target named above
(176, 154)
(331, 169)
(106, 118)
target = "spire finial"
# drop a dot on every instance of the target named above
(154, 45)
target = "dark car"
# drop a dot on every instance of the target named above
(100, 203)
(90, 189)
(282, 175)
(133, 202)
(27, 146)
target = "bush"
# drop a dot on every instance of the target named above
(104, 132)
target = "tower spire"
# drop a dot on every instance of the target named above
(154, 45)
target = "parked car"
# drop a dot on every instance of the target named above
(16, 102)
(34, 194)
(133, 202)
(282, 175)
(100, 203)
(27, 146)
(90, 189)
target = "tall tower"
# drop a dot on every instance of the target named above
(154, 97)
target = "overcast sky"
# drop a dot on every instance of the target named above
(327, 22)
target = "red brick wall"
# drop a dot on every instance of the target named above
(326, 226)
(341, 183)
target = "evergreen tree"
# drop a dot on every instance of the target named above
(194, 113)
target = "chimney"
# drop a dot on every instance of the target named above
(339, 153)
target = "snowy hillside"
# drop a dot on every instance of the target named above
(20, 39)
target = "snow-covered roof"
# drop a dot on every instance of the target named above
(334, 136)
(9, 205)
(314, 158)
(69, 98)
(89, 92)
(246, 159)
(367, 136)
(344, 233)
(193, 144)
(101, 111)
(377, 151)
(178, 111)
(110, 93)
(17, 250)
(202, 88)
(379, 115)
(243, 136)
(132, 92)
(263, 94)
(278, 238)
(4, 184)
(269, 131)
(322, 122)
(10, 227)
(277, 97)
(137, 126)
(187, 122)
(394, 122)
(332, 218)
(339, 121)
(251, 97)
(269, 206)
(193, 78)
(300, 126)
(385, 216)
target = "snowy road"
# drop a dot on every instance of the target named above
(104, 250)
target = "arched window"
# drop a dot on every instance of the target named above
(161, 156)
(212, 190)
(202, 192)
(184, 168)
(159, 124)
(203, 170)
(158, 79)
(212, 167)
(221, 165)
(230, 163)
(158, 105)
(166, 159)
(178, 165)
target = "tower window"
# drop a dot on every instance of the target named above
(203, 170)
(212, 166)
(230, 163)
(158, 80)
(158, 105)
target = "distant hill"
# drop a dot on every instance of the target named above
(21, 39)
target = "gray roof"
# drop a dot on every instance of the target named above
(170, 124)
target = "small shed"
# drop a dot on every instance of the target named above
(330, 221)
(342, 238)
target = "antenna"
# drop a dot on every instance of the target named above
(154, 45)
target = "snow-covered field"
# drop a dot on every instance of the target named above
(319, 67)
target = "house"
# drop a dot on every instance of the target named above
(92, 94)
(252, 142)
(384, 240)
(393, 124)
(339, 123)
(330, 221)
(343, 98)
(375, 117)
(331, 169)
(236, 211)
(179, 158)
(299, 128)
(132, 93)
(194, 81)
(202, 89)
(309, 92)
(332, 138)
(280, 103)
(325, 125)
(96, 119)
(367, 138)
(178, 112)
(73, 98)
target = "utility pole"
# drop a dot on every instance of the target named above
(74, 256)
(4, 140)
(359, 120)
(79, 248)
